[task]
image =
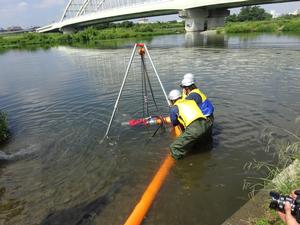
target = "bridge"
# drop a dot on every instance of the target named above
(198, 14)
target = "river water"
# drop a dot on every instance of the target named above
(59, 102)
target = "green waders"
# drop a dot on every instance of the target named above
(192, 134)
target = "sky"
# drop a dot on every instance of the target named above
(28, 13)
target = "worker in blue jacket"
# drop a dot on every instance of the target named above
(186, 113)
(193, 93)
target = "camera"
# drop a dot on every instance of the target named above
(278, 202)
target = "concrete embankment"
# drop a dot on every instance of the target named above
(257, 206)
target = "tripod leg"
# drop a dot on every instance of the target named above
(121, 89)
(155, 71)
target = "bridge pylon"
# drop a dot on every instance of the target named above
(200, 19)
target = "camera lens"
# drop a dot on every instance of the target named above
(274, 205)
(274, 195)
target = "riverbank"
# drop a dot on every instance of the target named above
(282, 176)
(94, 37)
(274, 25)
(256, 211)
(89, 36)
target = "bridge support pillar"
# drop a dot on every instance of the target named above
(200, 19)
(195, 19)
(68, 30)
(216, 18)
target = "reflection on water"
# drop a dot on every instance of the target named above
(206, 40)
(59, 103)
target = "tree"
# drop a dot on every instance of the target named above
(126, 24)
(252, 13)
(249, 13)
(232, 18)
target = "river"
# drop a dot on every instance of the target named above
(59, 103)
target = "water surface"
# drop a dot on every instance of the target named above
(59, 102)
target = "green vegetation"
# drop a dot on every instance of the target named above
(285, 148)
(271, 217)
(255, 19)
(274, 25)
(3, 127)
(92, 36)
(249, 13)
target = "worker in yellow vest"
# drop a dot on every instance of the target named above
(187, 114)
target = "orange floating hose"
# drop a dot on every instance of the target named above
(141, 209)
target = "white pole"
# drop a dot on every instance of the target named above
(121, 89)
(161, 85)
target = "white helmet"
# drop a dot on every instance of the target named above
(186, 82)
(189, 76)
(174, 94)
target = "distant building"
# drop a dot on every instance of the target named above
(14, 28)
(274, 14)
(296, 12)
(33, 29)
(1, 29)
(143, 21)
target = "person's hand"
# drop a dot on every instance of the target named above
(287, 217)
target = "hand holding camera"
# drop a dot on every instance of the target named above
(288, 207)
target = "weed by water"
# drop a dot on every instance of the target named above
(3, 127)
(284, 147)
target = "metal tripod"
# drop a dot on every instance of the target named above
(142, 46)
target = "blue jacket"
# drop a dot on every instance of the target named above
(174, 112)
(206, 107)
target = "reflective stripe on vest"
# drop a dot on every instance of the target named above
(188, 111)
(197, 91)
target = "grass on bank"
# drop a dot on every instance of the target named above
(3, 127)
(90, 36)
(274, 25)
(285, 148)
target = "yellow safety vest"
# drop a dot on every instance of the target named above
(189, 111)
(197, 91)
